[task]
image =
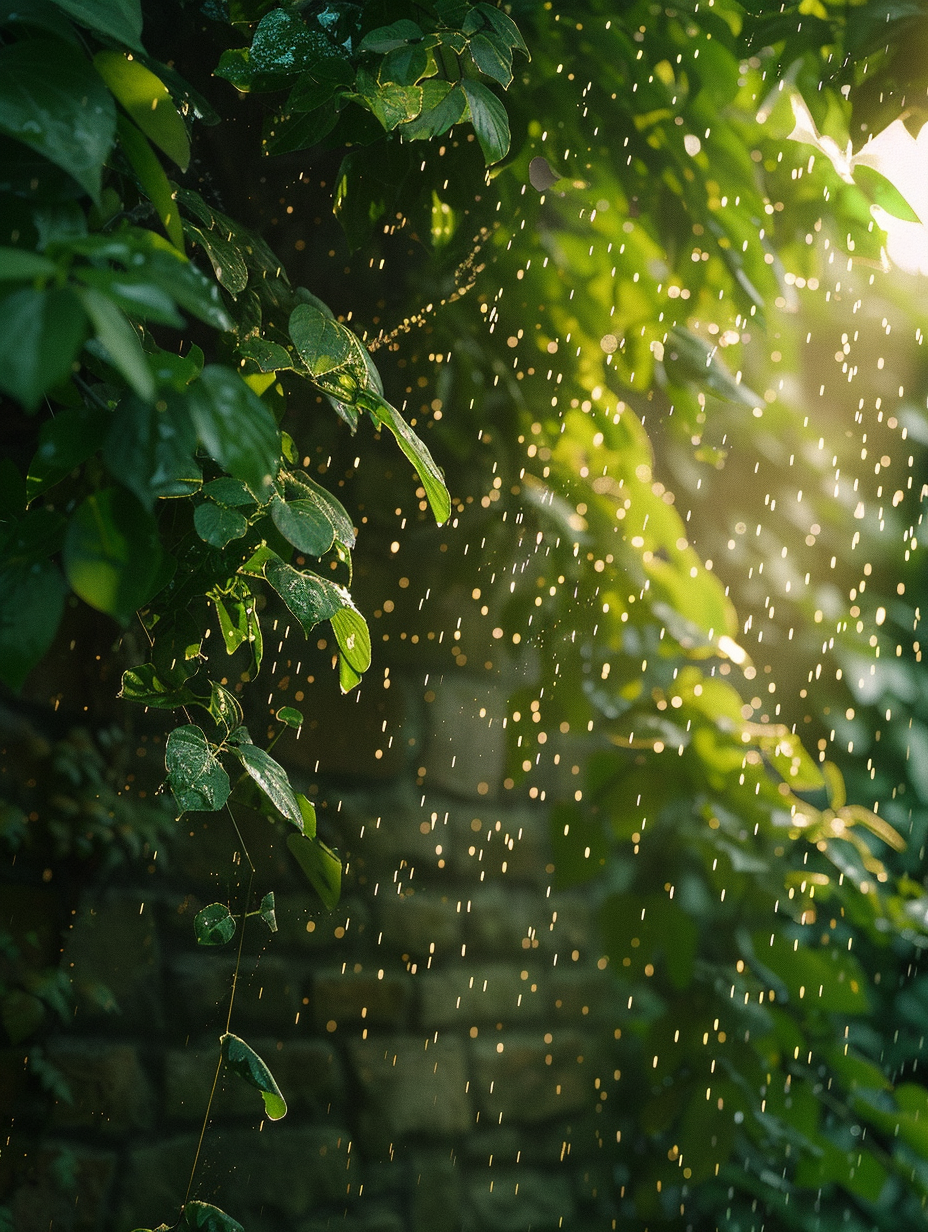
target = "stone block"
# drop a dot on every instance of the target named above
(467, 996)
(500, 842)
(578, 994)
(528, 1078)
(437, 1187)
(349, 997)
(420, 923)
(465, 748)
(397, 833)
(269, 990)
(411, 1086)
(112, 949)
(505, 921)
(517, 1200)
(153, 1182)
(304, 924)
(571, 926)
(65, 1187)
(109, 1087)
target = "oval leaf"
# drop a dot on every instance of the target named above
(270, 776)
(197, 779)
(321, 865)
(244, 1061)
(214, 925)
(112, 554)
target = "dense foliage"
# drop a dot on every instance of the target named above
(564, 320)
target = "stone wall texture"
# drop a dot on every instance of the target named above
(440, 1037)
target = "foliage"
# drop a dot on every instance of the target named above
(640, 223)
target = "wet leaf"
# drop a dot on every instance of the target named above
(291, 716)
(146, 99)
(269, 775)
(214, 925)
(197, 780)
(244, 1061)
(309, 597)
(111, 553)
(217, 525)
(488, 116)
(267, 912)
(236, 428)
(43, 331)
(304, 524)
(417, 452)
(201, 1217)
(321, 865)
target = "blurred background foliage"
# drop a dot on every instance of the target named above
(679, 401)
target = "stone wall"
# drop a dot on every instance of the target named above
(442, 1038)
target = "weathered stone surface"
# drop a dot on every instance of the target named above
(420, 923)
(45, 1200)
(506, 921)
(269, 990)
(437, 1184)
(517, 851)
(109, 1088)
(517, 1200)
(577, 993)
(347, 997)
(530, 1080)
(464, 996)
(153, 1182)
(573, 927)
(112, 950)
(411, 1086)
(396, 831)
(465, 754)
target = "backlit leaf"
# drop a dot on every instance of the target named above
(196, 778)
(214, 925)
(244, 1061)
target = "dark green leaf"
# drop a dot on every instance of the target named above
(224, 256)
(270, 776)
(443, 105)
(33, 601)
(487, 16)
(146, 99)
(21, 1014)
(196, 778)
(143, 685)
(18, 265)
(320, 83)
(244, 1061)
(64, 442)
(230, 492)
(267, 912)
(150, 448)
(416, 451)
(117, 19)
(488, 116)
(112, 553)
(493, 57)
(214, 925)
(332, 353)
(309, 597)
(385, 38)
(320, 864)
(405, 65)
(42, 332)
(391, 104)
(304, 524)
(284, 134)
(222, 705)
(269, 356)
(291, 716)
(119, 340)
(52, 100)
(136, 295)
(201, 1217)
(308, 490)
(238, 619)
(217, 525)
(235, 428)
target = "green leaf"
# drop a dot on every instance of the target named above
(143, 685)
(822, 979)
(405, 65)
(483, 16)
(391, 104)
(267, 912)
(309, 815)
(331, 352)
(230, 492)
(291, 716)
(117, 19)
(488, 116)
(111, 553)
(334, 510)
(146, 99)
(217, 525)
(269, 356)
(33, 603)
(244, 1061)
(354, 643)
(238, 618)
(120, 341)
(320, 864)
(52, 100)
(154, 183)
(196, 778)
(320, 83)
(136, 295)
(150, 448)
(222, 705)
(235, 428)
(687, 358)
(443, 105)
(493, 57)
(386, 38)
(224, 255)
(42, 332)
(214, 925)
(269, 775)
(285, 134)
(18, 265)
(304, 524)
(309, 597)
(417, 452)
(201, 1217)
(65, 441)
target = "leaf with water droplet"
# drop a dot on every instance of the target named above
(269, 775)
(242, 1059)
(267, 911)
(214, 925)
(321, 864)
(195, 775)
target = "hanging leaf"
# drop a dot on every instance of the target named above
(201, 1217)
(267, 912)
(197, 780)
(417, 452)
(386, 38)
(217, 525)
(291, 716)
(244, 1061)
(270, 776)
(321, 865)
(52, 100)
(443, 104)
(354, 643)
(214, 925)
(146, 99)
(117, 19)
(150, 448)
(308, 813)
(334, 356)
(269, 356)
(143, 685)
(309, 597)
(304, 524)
(224, 255)
(493, 56)
(152, 179)
(308, 490)
(33, 603)
(112, 554)
(120, 341)
(488, 116)
(66, 440)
